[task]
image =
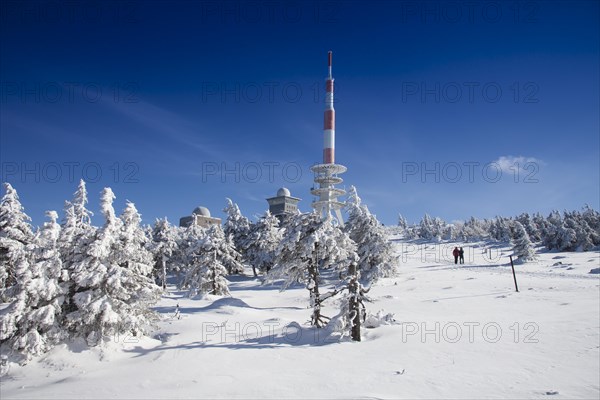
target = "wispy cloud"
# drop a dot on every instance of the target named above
(512, 164)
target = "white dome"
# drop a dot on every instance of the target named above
(201, 211)
(283, 192)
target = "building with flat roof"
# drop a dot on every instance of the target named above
(283, 204)
(201, 217)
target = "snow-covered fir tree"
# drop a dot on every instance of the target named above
(311, 245)
(262, 242)
(210, 260)
(236, 227)
(133, 244)
(472, 230)
(568, 234)
(184, 257)
(530, 227)
(32, 323)
(500, 229)
(592, 218)
(540, 225)
(75, 235)
(113, 290)
(164, 248)
(431, 228)
(426, 228)
(522, 247)
(586, 237)
(402, 223)
(375, 252)
(15, 236)
(550, 235)
(403, 226)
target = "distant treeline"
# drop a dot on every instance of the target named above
(569, 231)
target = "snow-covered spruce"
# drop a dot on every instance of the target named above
(402, 223)
(184, 257)
(472, 230)
(309, 246)
(32, 323)
(112, 288)
(523, 248)
(210, 259)
(164, 248)
(432, 228)
(75, 236)
(375, 252)
(262, 242)
(530, 226)
(15, 236)
(236, 229)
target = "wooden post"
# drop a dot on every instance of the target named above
(513, 271)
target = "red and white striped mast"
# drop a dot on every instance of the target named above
(329, 125)
(326, 174)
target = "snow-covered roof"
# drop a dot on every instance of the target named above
(201, 211)
(283, 192)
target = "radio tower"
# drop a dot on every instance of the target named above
(326, 174)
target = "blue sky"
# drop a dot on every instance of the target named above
(448, 108)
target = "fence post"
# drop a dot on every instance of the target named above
(513, 271)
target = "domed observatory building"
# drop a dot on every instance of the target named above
(283, 204)
(201, 217)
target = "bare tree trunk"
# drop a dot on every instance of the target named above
(354, 303)
(164, 272)
(315, 295)
(317, 319)
(214, 273)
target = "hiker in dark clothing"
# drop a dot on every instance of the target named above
(461, 255)
(456, 253)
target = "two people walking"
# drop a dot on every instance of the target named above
(458, 254)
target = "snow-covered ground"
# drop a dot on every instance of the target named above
(461, 332)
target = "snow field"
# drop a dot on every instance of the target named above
(542, 342)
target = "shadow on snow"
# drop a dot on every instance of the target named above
(290, 335)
